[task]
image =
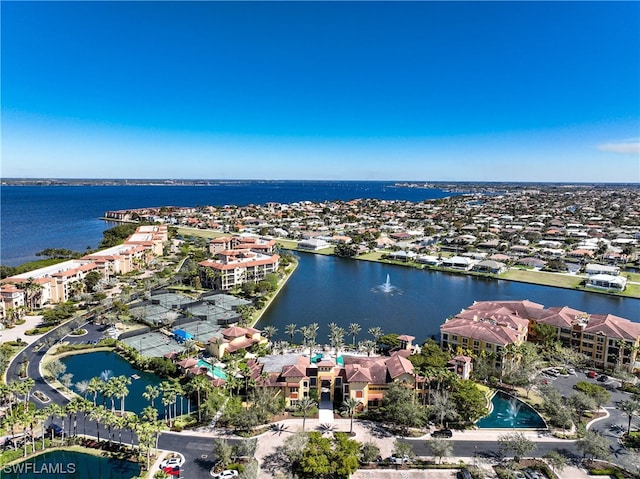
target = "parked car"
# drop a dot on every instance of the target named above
(591, 374)
(464, 474)
(442, 433)
(400, 459)
(603, 377)
(519, 475)
(226, 474)
(531, 474)
(172, 462)
(172, 470)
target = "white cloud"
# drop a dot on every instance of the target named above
(627, 146)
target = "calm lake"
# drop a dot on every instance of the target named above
(86, 366)
(68, 464)
(327, 289)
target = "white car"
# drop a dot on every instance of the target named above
(172, 462)
(226, 474)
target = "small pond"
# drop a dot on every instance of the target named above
(509, 412)
(107, 363)
(71, 464)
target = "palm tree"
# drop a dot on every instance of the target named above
(349, 407)
(69, 409)
(95, 386)
(97, 414)
(83, 387)
(313, 333)
(151, 393)
(354, 329)
(197, 384)
(337, 338)
(110, 390)
(269, 332)
(122, 391)
(305, 405)
(377, 333)
(630, 408)
(291, 330)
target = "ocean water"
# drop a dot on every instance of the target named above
(33, 218)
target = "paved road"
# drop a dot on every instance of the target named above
(198, 450)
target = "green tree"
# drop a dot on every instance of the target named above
(630, 408)
(349, 407)
(369, 452)
(354, 329)
(305, 405)
(399, 408)
(443, 407)
(223, 451)
(594, 445)
(517, 443)
(315, 462)
(470, 402)
(581, 403)
(556, 460)
(346, 453)
(440, 448)
(291, 330)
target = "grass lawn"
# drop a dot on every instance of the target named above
(203, 233)
(635, 277)
(371, 256)
(287, 244)
(538, 277)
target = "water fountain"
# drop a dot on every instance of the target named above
(509, 412)
(386, 287)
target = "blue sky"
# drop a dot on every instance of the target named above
(504, 91)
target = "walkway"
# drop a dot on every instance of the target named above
(12, 334)
(325, 412)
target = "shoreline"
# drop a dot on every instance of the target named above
(475, 275)
(287, 244)
(281, 285)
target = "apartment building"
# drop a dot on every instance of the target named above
(363, 378)
(249, 260)
(56, 283)
(488, 326)
(607, 341)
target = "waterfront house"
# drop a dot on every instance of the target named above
(313, 244)
(593, 269)
(458, 262)
(607, 282)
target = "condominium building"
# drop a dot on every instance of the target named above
(607, 341)
(488, 326)
(365, 379)
(233, 267)
(58, 282)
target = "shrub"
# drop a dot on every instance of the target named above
(39, 330)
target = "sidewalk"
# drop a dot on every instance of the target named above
(12, 334)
